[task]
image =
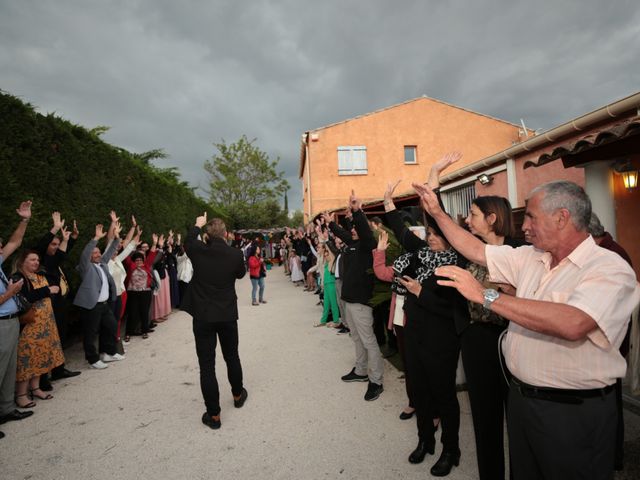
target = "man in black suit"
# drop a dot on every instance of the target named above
(212, 302)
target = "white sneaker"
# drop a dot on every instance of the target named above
(105, 357)
(99, 365)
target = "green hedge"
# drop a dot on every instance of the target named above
(64, 167)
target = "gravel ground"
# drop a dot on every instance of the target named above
(140, 418)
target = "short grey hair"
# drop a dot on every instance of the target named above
(595, 228)
(215, 228)
(568, 195)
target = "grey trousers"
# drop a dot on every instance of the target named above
(368, 356)
(9, 333)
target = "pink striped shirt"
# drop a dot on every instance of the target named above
(598, 282)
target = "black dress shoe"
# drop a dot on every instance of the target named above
(445, 463)
(417, 456)
(15, 415)
(211, 422)
(406, 416)
(63, 373)
(45, 384)
(243, 398)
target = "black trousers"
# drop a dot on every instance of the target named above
(399, 333)
(550, 440)
(432, 360)
(99, 326)
(206, 335)
(138, 305)
(488, 391)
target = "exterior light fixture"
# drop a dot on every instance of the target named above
(485, 179)
(629, 174)
(630, 179)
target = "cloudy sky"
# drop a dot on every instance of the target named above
(181, 75)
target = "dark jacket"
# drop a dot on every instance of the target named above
(52, 263)
(437, 308)
(211, 296)
(357, 270)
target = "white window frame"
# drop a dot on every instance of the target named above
(352, 160)
(415, 154)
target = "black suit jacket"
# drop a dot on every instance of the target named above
(211, 295)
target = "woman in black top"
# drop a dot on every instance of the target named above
(431, 338)
(490, 218)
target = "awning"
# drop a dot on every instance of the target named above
(613, 143)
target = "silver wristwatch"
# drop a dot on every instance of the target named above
(490, 296)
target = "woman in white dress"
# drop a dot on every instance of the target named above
(297, 277)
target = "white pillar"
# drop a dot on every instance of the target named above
(599, 186)
(512, 183)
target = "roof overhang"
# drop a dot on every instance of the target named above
(617, 141)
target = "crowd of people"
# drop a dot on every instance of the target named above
(125, 290)
(524, 315)
(541, 323)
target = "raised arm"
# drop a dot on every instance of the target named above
(460, 239)
(437, 168)
(380, 268)
(192, 242)
(336, 229)
(24, 211)
(85, 256)
(361, 224)
(46, 239)
(130, 233)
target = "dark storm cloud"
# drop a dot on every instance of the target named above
(183, 75)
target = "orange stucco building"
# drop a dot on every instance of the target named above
(399, 142)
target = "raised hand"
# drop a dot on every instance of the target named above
(388, 193)
(154, 238)
(57, 222)
(117, 228)
(383, 239)
(24, 210)
(201, 221)
(180, 238)
(354, 202)
(161, 241)
(329, 217)
(76, 233)
(133, 221)
(441, 165)
(428, 199)
(66, 233)
(100, 233)
(113, 216)
(138, 234)
(447, 159)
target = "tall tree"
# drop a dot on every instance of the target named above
(245, 183)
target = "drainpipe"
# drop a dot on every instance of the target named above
(305, 139)
(581, 123)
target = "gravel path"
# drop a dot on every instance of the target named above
(140, 418)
